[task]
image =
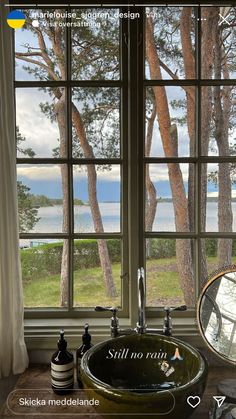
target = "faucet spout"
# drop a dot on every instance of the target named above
(141, 325)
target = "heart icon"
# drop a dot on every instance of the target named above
(193, 401)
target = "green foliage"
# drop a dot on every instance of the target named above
(165, 248)
(168, 38)
(40, 201)
(162, 248)
(213, 176)
(96, 48)
(41, 261)
(20, 139)
(211, 247)
(27, 213)
(46, 259)
(99, 109)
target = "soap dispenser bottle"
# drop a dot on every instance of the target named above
(62, 368)
(86, 339)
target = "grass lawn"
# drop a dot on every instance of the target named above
(162, 286)
(89, 287)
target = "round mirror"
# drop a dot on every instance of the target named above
(217, 314)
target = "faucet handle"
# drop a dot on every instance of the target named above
(179, 308)
(114, 319)
(112, 309)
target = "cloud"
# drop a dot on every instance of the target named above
(216, 194)
(40, 134)
(159, 172)
(39, 172)
(53, 172)
(111, 175)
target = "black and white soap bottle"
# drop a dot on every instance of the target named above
(86, 345)
(62, 368)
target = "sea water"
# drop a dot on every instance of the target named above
(51, 218)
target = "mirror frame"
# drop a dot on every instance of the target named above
(213, 277)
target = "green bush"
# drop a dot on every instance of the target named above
(165, 248)
(234, 248)
(161, 248)
(211, 247)
(45, 260)
(86, 253)
(41, 261)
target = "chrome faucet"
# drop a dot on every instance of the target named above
(141, 326)
(115, 328)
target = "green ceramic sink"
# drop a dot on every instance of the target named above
(142, 374)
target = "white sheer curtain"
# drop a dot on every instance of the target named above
(13, 354)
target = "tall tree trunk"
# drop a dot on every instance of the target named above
(189, 68)
(95, 210)
(209, 16)
(151, 202)
(60, 111)
(168, 136)
(92, 192)
(222, 108)
(151, 195)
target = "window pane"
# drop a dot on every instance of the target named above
(97, 270)
(215, 254)
(179, 138)
(97, 202)
(96, 122)
(41, 122)
(170, 274)
(218, 133)
(40, 46)
(169, 197)
(45, 283)
(40, 198)
(170, 42)
(95, 44)
(221, 197)
(218, 42)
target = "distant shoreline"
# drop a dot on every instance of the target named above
(51, 202)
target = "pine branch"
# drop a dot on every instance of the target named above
(175, 77)
(29, 54)
(50, 72)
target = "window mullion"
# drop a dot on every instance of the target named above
(70, 171)
(135, 160)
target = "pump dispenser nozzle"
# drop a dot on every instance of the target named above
(62, 343)
(86, 345)
(86, 338)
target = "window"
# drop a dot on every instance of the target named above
(126, 154)
(189, 161)
(71, 146)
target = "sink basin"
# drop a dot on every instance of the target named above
(144, 374)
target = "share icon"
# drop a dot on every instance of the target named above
(219, 400)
